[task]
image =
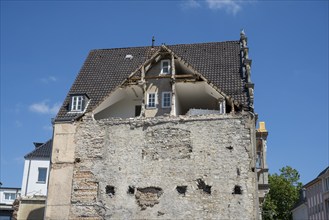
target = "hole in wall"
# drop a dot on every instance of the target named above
(110, 190)
(181, 189)
(131, 190)
(237, 190)
(238, 171)
(202, 185)
(229, 148)
(77, 160)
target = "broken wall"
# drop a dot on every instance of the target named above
(165, 168)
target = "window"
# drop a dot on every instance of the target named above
(259, 159)
(151, 99)
(77, 103)
(42, 175)
(326, 184)
(166, 99)
(10, 196)
(222, 107)
(165, 66)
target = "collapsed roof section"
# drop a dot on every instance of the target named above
(221, 69)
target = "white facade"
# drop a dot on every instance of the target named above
(7, 198)
(314, 200)
(8, 195)
(325, 195)
(35, 177)
(316, 206)
(300, 212)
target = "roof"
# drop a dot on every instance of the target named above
(317, 178)
(105, 69)
(44, 151)
(323, 172)
(12, 188)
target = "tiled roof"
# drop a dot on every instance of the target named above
(44, 151)
(323, 171)
(105, 69)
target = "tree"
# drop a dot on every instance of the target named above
(283, 195)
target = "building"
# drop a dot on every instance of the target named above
(300, 210)
(7, 198)
(161, 132)
(261, 163)
(314, 204)
(35, 182)
(36, 169)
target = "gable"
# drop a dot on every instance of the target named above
(105, 70)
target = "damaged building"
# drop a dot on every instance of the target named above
(160, 132)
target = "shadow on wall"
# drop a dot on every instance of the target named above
(36, 214)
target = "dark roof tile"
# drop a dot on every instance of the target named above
(44, 151)
(105, 69)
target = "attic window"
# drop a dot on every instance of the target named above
(151, 100)
(166, 99)
(78, 103)
(165, 67)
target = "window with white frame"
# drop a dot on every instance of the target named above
(151, 100)
(165, 66)
(42, 174)
(166, 99)
(77, 103)
(10, 196)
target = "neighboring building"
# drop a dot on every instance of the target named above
(160, 132)
(300, 210)
(7, 198)
(315, 199)
(35, 182)
(36, 169)
(261, 163)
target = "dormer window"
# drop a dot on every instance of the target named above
(165, 67)
(78, 103)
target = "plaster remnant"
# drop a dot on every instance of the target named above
(148, 197)
(167, 143)
(202, 185)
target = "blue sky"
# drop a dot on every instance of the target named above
(44, 44)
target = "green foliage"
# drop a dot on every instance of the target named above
(284, 193)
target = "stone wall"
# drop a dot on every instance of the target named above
(165, 168)
(31, 208)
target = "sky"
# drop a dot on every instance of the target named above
(44, 44)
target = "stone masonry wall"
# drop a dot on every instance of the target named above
(165, 168)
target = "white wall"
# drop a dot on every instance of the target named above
(300, 213)
(30, 184)
(8, 190)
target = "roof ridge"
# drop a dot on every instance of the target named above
(156, 46)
